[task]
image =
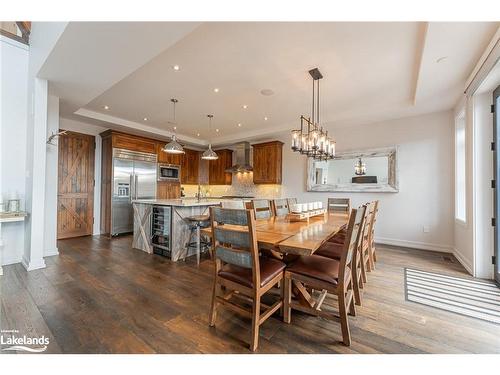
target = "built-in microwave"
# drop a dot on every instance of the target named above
(169, 172)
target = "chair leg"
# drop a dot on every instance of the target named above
(374, 252)
(281, 285)
(352, 307)
(213, 309)
(355, 286)
(254, 342)
(198, 250)
(344, 323)
(287, 299)
(363, 270)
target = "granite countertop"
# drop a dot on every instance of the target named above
(180, 202)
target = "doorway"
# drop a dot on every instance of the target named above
(496, 166)
(75, 196)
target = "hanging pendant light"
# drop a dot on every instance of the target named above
(173, 147)
(210, 154)
(312, 139)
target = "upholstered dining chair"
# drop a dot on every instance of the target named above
(280, 207)
(240, 271)
(328, 275)
(339, 204)
(262, 208)
(333, 250)
(240, 205)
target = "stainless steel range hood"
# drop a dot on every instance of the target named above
(242, 159)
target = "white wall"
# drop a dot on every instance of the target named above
(82, 127)
(13, 107)
(426, 178)
(51, 171)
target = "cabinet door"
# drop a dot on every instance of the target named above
(267, 163)
(217, 168)
(168, 190)
(167, 158)
(133, 143)
(189, 167)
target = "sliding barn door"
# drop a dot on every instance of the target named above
(75, 201)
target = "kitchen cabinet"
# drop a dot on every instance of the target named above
(190, 163)
(166, 158)
(133, 143)
(168, 190)
(217, 174)
(267, 162)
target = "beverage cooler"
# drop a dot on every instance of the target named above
(161, 230)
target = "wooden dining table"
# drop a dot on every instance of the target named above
(296, 237)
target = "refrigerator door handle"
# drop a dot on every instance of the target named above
(132, 188)
(136, 179)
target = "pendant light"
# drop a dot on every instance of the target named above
(173, 147)
(209, 154)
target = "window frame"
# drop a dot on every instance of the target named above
(460, 120)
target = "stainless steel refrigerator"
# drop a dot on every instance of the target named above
(134, 177)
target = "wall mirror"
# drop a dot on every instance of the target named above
(373, 170)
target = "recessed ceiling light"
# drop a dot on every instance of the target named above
(441, 59)
(239, 125)
(145, 119)
(216, 90)
(198, 134)
(176, 67)
(175, 127)
(245, 106)
(265, 118)
(267, 92)
(106, 107)
(217, 130)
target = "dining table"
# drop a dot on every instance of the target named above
(293, 238)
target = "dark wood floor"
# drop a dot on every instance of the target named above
(101, 296)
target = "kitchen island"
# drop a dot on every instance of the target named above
(160, 225)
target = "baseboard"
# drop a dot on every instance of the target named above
(50, 252)
(415, 244)
(8, 261)
(31, 266)
(464, 262)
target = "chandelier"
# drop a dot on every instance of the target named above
(360, 168)
(311, 139)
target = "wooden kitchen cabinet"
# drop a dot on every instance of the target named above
(166, 158)
(217, 174)
(190, 163)
(168, 190)
(133, 143)
(267, 162)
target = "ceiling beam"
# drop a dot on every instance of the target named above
(423, 28)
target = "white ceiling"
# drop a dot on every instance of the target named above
(372, 72)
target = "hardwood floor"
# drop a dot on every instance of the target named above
(101, 296)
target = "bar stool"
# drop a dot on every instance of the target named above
(195, 223)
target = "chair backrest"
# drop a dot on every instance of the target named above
(280, 207)
(262, 208)
(234, 239)
(240, 205)
(291, 201)
(351, 244)
(339, 204)
(374, 220)
(367, 228)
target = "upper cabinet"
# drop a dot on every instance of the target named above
(190, 163)
(131, 142)
(267, 162)
(217, 168)
(166, 158)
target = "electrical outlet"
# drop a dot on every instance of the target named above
(426, 229)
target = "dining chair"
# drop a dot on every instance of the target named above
(240, 205)
(339, 204)
(240, 274)
(280, 207)
(291, 201)
(328, 275)
(367, 264)
(371, 241)
(334, 250)
(262, 208)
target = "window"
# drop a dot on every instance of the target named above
(460, 182)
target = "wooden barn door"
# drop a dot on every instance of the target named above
(75, 199)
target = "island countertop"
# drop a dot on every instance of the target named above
(180, 202)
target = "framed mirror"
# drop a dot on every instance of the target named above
(372, 170)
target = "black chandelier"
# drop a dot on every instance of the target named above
(312, 140)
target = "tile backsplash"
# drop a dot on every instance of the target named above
(242, 185)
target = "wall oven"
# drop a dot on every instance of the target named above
(169, 172)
